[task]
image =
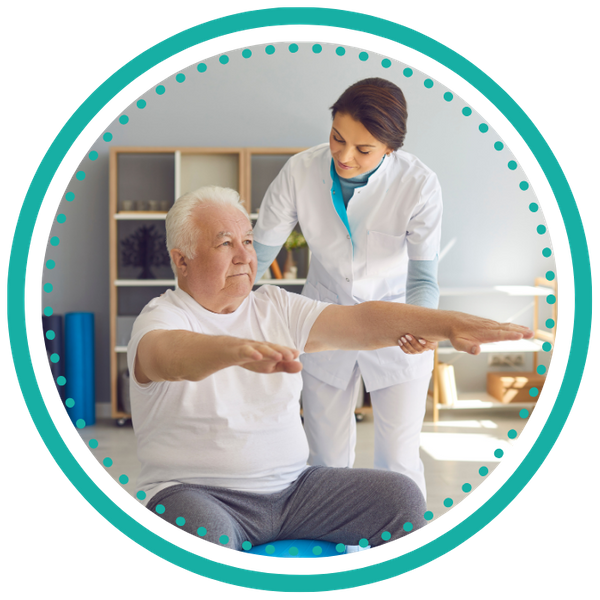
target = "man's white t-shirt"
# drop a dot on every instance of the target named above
(234, 429)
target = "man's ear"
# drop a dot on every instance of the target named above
(180, 261)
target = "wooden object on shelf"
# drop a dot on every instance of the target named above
(448, 394)
(276, 270)
(514, 386)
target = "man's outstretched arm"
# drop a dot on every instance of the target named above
(178, 355)
(373, 325)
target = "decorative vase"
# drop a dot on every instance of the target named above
(290, 269)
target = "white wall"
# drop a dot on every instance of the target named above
(282, 100)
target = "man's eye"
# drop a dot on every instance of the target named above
(226, 244)
(248, 242)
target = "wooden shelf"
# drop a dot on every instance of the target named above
(144, 282)
(140, 215)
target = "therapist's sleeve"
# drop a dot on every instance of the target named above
(421, 283)
(424, 228)
(265, 255)
(278, 214)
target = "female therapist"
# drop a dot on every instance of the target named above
(371, 215)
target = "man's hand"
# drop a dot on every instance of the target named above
(264, 357)
(467, 332)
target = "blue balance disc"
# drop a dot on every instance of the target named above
(296, 549)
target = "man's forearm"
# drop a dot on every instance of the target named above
(374, 325)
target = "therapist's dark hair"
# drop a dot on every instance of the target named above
(380, 106)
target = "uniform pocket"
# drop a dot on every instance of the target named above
(326, 295)
(384, 252)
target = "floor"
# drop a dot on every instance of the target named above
(453, 450)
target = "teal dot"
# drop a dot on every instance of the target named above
(512, 434)
(428, 83)
(141, 103)
(498, 146)
(270, 49)
(483, 128)
(48, 288)
(407, 72)
(293, 48)
(202, 68)
(61, 218)
(69, 196)
(363, 542)
(386, 63)
(386, 535)
(80, 175)
(363, 56)
(524, 185)
(54, 241)
(293, 551)
(340, 548)
(448, 96)
(550, 323)
(533, 392)
(533, 207)
(541, 229)
(80, 423)
(141, 495)
(340, 51)
(541, 369)
(270, 549)
(48, 311)
(248, 546)
(546, 346)
(160, 90)
(201, 531)
(107, 137)
(407, 526)
(123, 119)
(551, 299)
(466, 488)
(317, 48)
(50, 335)
(317, 550)
(512, 165)
(247, 54)
(428, 515)
(448, 502)
(498, 453)
(180, 521)
(550, 275)
(224, 59)
(467, 111)
(160, 509)
(50, 264)
(61, 380)
(523, 413)
(547, 252)
(70, 404)
(93, 155)
(223, 539)
(108, 462)
(54, 357)
(180, 78)
(483, 471)
(123, 479)
(93, 443)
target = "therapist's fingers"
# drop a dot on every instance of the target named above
(412, 345)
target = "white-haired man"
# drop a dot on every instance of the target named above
(215, 389)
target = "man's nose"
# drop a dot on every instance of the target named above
(244, 253)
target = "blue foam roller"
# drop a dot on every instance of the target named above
(79, 366)
(305, 549)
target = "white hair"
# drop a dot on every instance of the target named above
(181, 231)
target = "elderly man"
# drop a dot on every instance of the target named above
(215, 387)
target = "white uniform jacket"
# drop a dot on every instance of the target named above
(359, 254)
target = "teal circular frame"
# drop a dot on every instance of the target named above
(270, 18)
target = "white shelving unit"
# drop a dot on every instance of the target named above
(482, 400)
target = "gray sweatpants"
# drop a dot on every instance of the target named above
(330, 504)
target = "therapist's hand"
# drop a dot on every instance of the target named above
(411, 345)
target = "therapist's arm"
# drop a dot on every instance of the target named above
(373, 325)
(265, 256)
(178, 355)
